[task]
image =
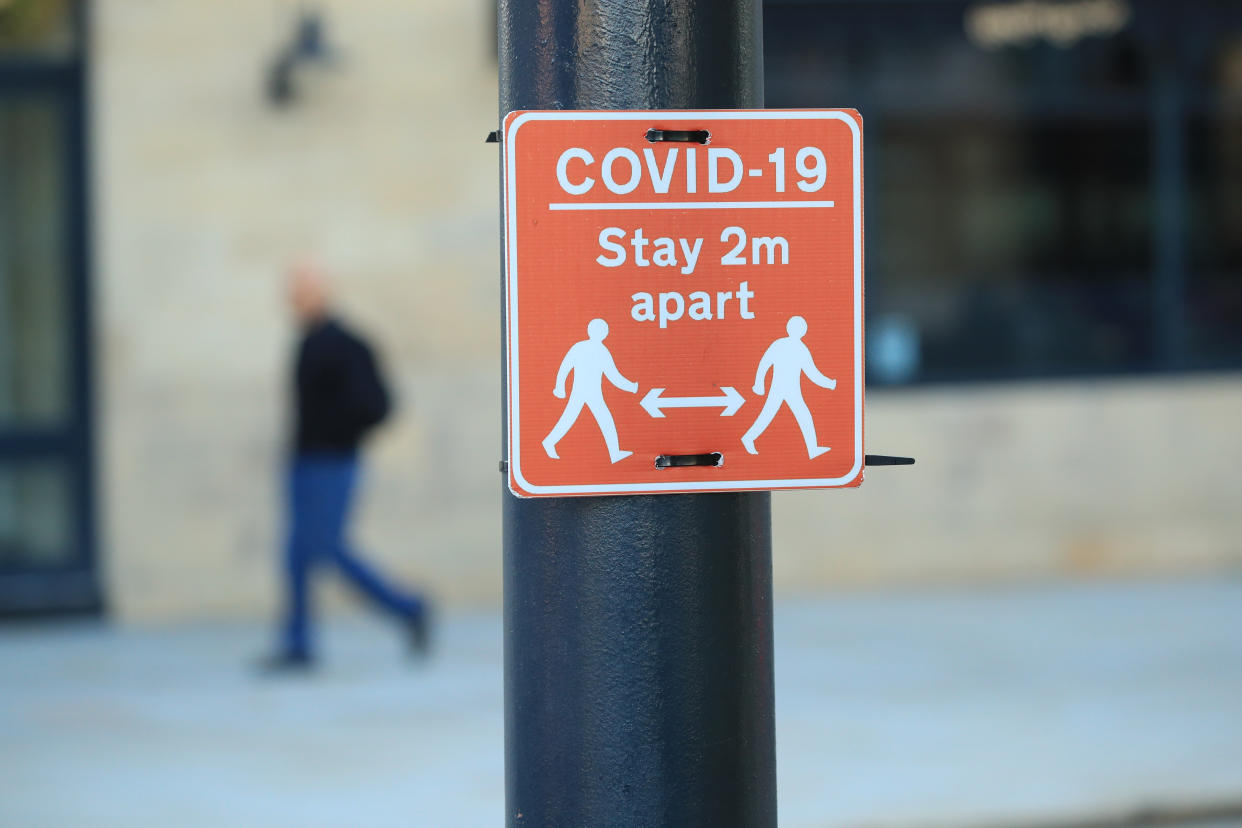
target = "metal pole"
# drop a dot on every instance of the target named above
(638, 630)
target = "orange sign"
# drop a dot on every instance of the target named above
(684, 295)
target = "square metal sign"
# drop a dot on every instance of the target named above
(684, 300)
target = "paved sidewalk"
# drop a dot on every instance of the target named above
(1034, 706)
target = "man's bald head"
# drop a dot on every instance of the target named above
(309, 292)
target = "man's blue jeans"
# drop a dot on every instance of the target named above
(321, 491)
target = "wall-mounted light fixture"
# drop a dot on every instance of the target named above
(306, 46)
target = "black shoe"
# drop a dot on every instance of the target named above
(285, 663)
(418, 631)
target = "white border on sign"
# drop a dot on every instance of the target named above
(511, 314)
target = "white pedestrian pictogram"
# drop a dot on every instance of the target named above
(789, 359)
(590, 361)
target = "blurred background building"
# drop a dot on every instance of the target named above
(1054, 252)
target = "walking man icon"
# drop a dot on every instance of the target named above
(789, 359)
(591, 361)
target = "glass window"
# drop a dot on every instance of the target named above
(1214, 284)
(33, 281)
(1214, 225)
(37, 27)
(1009, 255)
(34, 504)
(1019, 178)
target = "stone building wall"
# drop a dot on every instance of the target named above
(204, 191)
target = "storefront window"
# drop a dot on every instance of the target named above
(1030, 210)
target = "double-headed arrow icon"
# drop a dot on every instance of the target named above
(653, 403)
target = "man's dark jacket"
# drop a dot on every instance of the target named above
(340, 395)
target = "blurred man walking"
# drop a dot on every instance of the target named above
(339, 398)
